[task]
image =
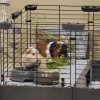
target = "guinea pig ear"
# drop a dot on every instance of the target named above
(28, 51)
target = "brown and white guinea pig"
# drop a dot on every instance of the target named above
(31, 59)
(52, 49)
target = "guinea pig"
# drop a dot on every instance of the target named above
(31, 59)
(52, 49)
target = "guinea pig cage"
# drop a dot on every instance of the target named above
(50, 52)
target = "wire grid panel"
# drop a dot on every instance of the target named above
(67, 24)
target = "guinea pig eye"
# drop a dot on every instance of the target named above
(57, 46)
(33, 53)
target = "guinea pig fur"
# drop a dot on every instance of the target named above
(52, 49)
(33, 60)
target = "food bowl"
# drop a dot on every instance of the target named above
(21, 74)
(50, 77)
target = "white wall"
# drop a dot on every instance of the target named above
(21, 3)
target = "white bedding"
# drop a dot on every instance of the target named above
(95, 84)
